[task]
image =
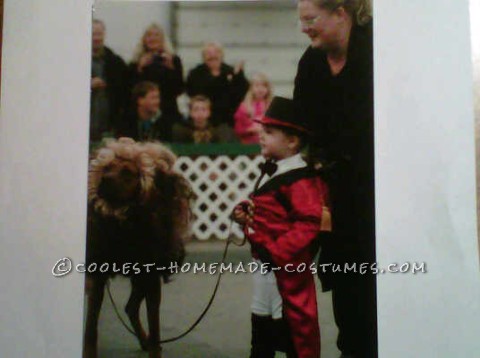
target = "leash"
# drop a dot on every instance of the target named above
(230, 240)
(269, 168)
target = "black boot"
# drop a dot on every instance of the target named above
(262, 331)
(283, 338)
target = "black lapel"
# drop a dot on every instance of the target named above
(285, 179)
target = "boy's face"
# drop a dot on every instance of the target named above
(151, 102)
(276, 144)
(200, 113)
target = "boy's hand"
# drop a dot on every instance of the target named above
(243, 212)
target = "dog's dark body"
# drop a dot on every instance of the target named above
(132, 225)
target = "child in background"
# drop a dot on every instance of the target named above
(282, 221)
(253, 107)
(198, 129)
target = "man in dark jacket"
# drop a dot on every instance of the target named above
(144, 121)
(334, 94)
(108, 85)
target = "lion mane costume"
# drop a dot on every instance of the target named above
(138, 215)
(138, 206)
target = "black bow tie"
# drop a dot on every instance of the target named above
(269, 167)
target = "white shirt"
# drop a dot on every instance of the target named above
(285, 165)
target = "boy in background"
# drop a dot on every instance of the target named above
(198, 128)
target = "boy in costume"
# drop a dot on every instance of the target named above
(282, 220)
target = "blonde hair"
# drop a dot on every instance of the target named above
(359, 10)
(248, 101)
(141, 49)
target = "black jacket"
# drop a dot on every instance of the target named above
(130, 127)
(117, 86)
(226, 91)
(185, 133)
(170, 82)
(339, 111)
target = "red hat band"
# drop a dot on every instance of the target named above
(278, 123)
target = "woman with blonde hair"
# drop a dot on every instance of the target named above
(253, 107)
(155, 61)
(334, 94)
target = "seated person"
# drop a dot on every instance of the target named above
(144, 122)
(198, 129)
(252, 108)
(287, 211)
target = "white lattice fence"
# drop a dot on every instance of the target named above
(219, 183)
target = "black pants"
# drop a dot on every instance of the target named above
(270, 335)
(354, 309)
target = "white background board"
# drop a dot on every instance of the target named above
(425, 189)
(43, 174)
(424, 158)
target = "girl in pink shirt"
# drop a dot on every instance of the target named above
(253, 107)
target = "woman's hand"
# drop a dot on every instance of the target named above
(168, 60)
(144, 60)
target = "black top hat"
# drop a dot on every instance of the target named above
(280, 113)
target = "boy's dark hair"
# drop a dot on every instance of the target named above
(141, 89)
(200, 98)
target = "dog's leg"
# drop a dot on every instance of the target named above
(95, 299)
(153, 298)
(133, 309)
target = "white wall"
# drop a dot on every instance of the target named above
(475, 25)
(126, 22)
(43, 175)
(425, 188)
(475, 42)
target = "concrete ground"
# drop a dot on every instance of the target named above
(225, 330)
